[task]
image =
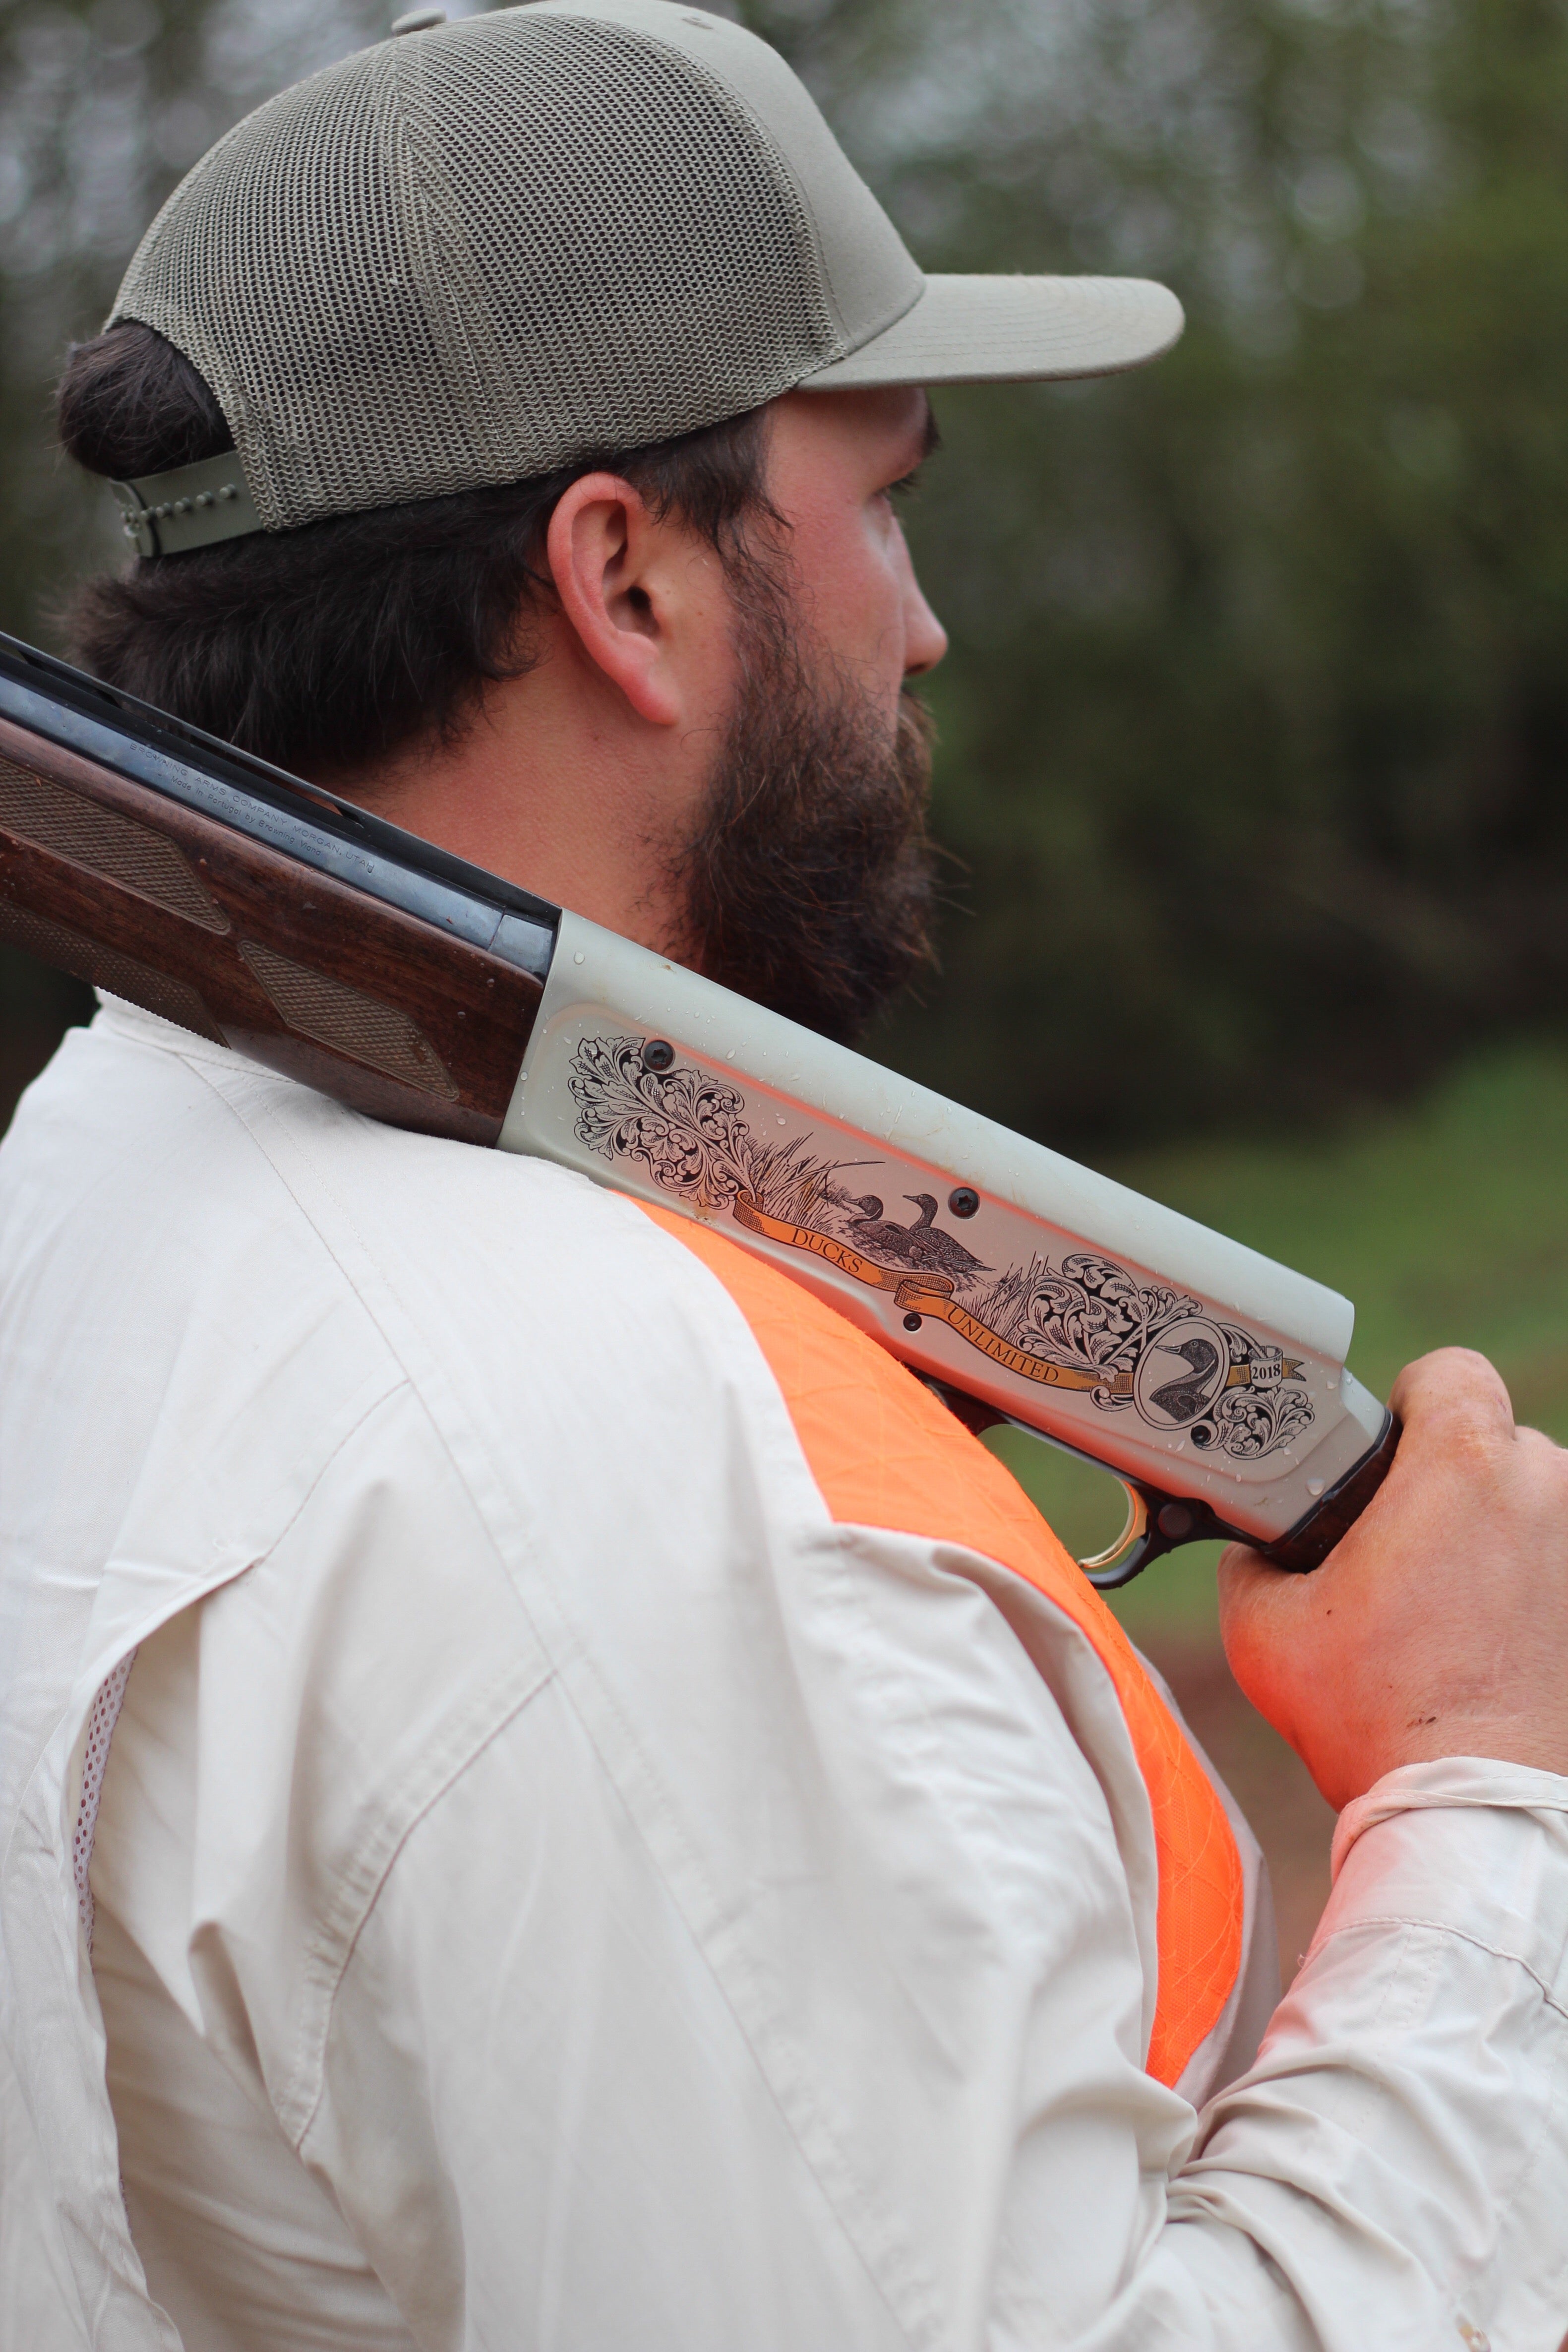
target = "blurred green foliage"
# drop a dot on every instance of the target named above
(1256, 710)
(1257, 700)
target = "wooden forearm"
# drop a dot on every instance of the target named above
(157, 903)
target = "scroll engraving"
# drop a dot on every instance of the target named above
(1084, 1323)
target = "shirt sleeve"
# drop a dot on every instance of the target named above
(1399, 2148)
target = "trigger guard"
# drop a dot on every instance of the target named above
(1156, 1523)
(1131, 1552)
(1142, 1538)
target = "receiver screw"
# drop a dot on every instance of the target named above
(912, 1322)
(657, 1054)
(964, 1201)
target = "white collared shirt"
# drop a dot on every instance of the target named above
(556, 1888)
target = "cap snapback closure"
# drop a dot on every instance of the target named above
(191, 506)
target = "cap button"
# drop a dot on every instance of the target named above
(419, 20)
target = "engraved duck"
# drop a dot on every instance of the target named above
(879, 1235)
(931, 1249)
(922, 1245)
(1184, 1397)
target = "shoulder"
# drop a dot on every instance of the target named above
(243, 1188)
(543, 1323)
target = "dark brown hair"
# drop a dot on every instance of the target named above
(327, 648)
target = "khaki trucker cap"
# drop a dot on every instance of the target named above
(488, 248)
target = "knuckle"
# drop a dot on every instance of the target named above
(1453, 1427)
(1541, 1457)
(1454, 1403)
(1456, 1372)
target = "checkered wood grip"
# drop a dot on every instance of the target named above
(158, 904)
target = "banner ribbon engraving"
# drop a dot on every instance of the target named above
(928, 1294)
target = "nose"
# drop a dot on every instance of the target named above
(924, 639)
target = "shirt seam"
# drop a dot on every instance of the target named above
(405, 1378)
(322, 1976)
(1393, 1919)
(327, 1951)
(203, 1591)
(466, 1757)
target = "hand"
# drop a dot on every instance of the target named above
(1438, 1626)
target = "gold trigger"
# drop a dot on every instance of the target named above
(1135, 1528)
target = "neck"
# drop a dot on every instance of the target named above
(555, 788)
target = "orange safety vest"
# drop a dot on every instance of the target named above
(885, 1452)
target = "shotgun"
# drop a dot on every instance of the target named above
(167, 869)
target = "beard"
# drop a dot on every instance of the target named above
(808, 884)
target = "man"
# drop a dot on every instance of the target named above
(600, 1816)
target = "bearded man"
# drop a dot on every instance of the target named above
(553, 1795)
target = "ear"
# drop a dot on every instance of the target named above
(619, 575)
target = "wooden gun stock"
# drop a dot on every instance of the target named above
(111, 880)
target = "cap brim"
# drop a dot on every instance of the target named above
(1014, 331)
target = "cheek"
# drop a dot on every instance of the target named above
(855, 565)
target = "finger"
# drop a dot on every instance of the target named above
(1257, 1600)
(1241, 1573)
(1451, 1388)
(1261, 1626)
(1534, 1441)
(1543, 1465)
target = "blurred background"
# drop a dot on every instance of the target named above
(1254, 727)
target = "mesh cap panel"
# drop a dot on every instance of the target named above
(476, 254)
